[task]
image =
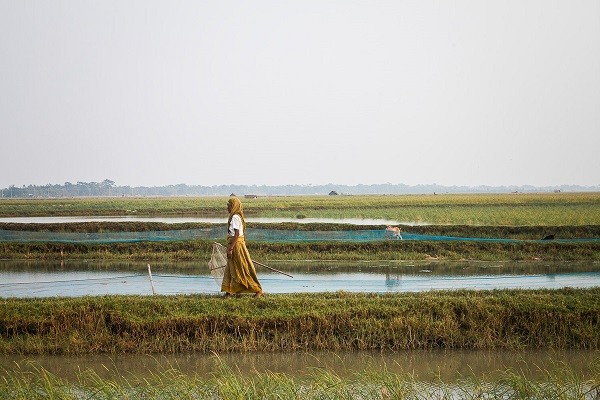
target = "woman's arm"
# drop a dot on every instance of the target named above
(233, 240)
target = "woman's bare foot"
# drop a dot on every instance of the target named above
(259, 294)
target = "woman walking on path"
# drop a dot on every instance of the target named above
(239, 275)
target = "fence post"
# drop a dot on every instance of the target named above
(151, 281)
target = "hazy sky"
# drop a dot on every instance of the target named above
(300, 92)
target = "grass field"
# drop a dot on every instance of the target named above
(482, 209)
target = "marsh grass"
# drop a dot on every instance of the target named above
(31, 381)
(500, 319)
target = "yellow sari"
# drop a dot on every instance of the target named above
(240, 274)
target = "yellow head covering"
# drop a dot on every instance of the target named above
(236, 208)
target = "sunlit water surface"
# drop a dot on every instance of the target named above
(80, 278)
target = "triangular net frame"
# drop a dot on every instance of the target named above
(217, 263)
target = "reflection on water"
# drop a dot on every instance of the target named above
(423, 365)
(79, 278)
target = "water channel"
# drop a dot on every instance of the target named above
(83, 277)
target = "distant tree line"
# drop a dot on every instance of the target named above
(108, 188)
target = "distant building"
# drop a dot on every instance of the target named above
(250, 196)
(333, 193)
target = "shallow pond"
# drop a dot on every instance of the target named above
(80, 278)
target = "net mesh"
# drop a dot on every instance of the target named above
(257, 234)
(217, 263)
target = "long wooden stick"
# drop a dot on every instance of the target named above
(272, 269)
(262, 265)
(151, 281)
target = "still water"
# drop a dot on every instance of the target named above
(423, 365)
(80, 278)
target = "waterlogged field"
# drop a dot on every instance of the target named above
(472, 320)
(456, 209)
(507, 216)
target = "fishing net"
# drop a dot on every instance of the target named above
(257, 234)
(217, 263)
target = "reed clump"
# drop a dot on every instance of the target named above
(501, 319)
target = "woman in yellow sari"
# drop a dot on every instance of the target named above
(239, 275)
